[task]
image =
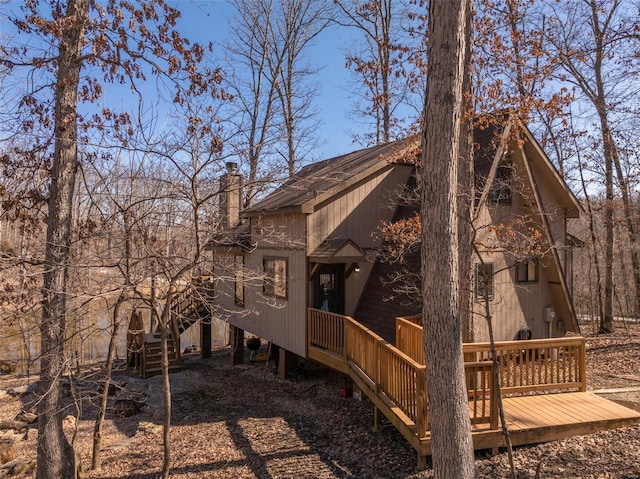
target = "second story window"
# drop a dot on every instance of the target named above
(484, 280)
(275, 277)
(500, 193)
(527, 272)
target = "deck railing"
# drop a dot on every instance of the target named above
(389, 372)
(326, 330)
(397, 375)
(187, 303)
(525, 366)
(481, 393)
(536, 365)
(478, 376)
(409, 338)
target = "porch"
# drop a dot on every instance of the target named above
(543, 383)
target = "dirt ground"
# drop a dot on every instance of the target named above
(242, 422)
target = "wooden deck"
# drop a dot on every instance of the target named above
(543, 383)
(549, 417)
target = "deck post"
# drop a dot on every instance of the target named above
(237, 345)
(287, 362)
(493, 395)
(422, 408)
(422, 463)
(583, 365)
(376, 419)
(205, 338)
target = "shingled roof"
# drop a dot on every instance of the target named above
(316, 182)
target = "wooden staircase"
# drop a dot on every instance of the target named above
(152, 355)
(188, 306)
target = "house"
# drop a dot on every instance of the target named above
(311, 244)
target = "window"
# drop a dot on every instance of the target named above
(500, 193)
(527, 272)
(275, 277)
(484, 280)
(327, 282)
(238, 273)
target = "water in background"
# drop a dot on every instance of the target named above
(89, 338)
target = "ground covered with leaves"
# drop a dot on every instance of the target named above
(242, 422)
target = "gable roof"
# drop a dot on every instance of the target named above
(337, 251)
(378, 306)
(319, 181)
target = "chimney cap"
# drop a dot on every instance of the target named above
(232, 167)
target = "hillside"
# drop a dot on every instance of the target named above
(242, 422)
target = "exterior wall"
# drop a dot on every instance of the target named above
(279, 231)
(356, 213)
(555, 212)
(516, 305)
(355, 285)
(282, 321)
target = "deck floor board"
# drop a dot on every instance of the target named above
(564, 410)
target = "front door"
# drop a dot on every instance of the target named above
(328, 290)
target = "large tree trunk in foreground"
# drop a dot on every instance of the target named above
(55, 454)
(444, 145)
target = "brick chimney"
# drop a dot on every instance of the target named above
(230, 197)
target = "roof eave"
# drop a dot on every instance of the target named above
(573, 206)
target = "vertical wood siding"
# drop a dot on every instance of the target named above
(517, 305)
(282, 321)
(357, 213)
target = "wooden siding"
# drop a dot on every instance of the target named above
(357, 212)
(517, 305)
(281, 321)
(513, 305)
(282, 231)
(356, 215)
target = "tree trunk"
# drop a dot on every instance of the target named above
(166, 385)
(55, 454)
(630, 218)
(606, 321)
(467, 188)
(104, 398)
(443, 147)
(594, 240)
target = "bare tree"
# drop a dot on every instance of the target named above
(600, 61)
(117, 42)
(382, 60)
(272, 115)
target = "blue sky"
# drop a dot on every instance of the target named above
(208, 20)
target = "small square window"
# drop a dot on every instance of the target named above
(484, 280)
(527, 272)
